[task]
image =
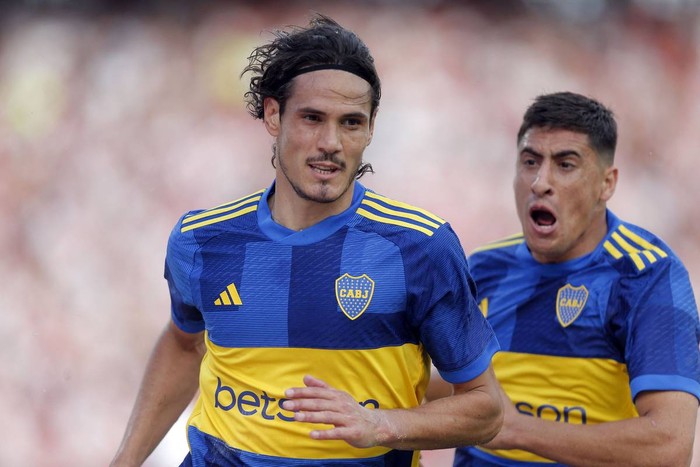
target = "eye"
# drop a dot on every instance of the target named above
(352, 122)
(311, 117)
(528, 161)
(567, 165)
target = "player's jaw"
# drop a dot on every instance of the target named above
(324, 178)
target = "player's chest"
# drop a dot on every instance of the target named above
(561, 315)
(336, 279)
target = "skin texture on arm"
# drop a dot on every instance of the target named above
(473, 415)
(662, 435)
(169, 384)
(437, 387)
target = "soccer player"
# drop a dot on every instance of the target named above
(307, 313)
(596, 316)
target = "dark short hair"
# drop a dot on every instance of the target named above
(324, 42)
(574, 112)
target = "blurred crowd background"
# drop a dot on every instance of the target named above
(116, 117)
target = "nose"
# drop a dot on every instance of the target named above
(329, 140)
(542, 185)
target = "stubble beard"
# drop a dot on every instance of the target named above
(323, 196)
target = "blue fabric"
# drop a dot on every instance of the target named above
(380, 275)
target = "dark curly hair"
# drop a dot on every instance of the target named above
(574, 112)
(323, 42)
(273, 66)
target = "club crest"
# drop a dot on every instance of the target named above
(570, 303)
(353, 294)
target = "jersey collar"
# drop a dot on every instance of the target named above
(313, 234)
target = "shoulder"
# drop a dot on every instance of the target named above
(195, 227)
(398, 216)
(503, 249)
(635, 251)
(502, 246)
(213, 217)
(419, 233)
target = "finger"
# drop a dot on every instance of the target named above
(326, 417)
(352, 436)
(310, 405)
(332, 433)
(312, 393)
(310, 381)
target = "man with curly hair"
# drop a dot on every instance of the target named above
(307, 313)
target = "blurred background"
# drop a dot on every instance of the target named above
(117, 117)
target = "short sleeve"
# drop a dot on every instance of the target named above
(179, 262)
(456, 335)
(661, 348)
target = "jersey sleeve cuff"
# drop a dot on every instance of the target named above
(187, 326)
(664, 383)
(476, 367)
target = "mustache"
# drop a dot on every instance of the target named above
(327, 157)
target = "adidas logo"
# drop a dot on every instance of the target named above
(229, 296)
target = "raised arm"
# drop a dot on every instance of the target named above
(472, 415)
(662, 435)
(168, 386)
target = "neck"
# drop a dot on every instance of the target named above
(297, 214)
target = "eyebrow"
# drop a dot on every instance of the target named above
(556, 155)
(311, 110)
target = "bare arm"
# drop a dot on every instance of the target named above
(169, 384)
(472, 415)
(662, 434)
(437, 387)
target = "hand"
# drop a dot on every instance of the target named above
(319, 403)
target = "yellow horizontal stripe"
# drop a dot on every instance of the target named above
(633, 252)
(650, 256)
(501, 244)
(243, 198)
(399, 204)
(241, 389)
(617, 254)
(220, 210)
(641, 242)
(386, 220)
(219, 219)
(406, 215)
(552, 387)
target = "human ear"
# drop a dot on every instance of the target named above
(371, 127)
(271, 115)
(609, 183)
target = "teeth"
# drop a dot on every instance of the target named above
(323, 171)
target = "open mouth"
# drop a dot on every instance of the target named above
(324, 170)
(542, 217)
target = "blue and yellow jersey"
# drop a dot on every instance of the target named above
(581, 339)
(362, 300)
